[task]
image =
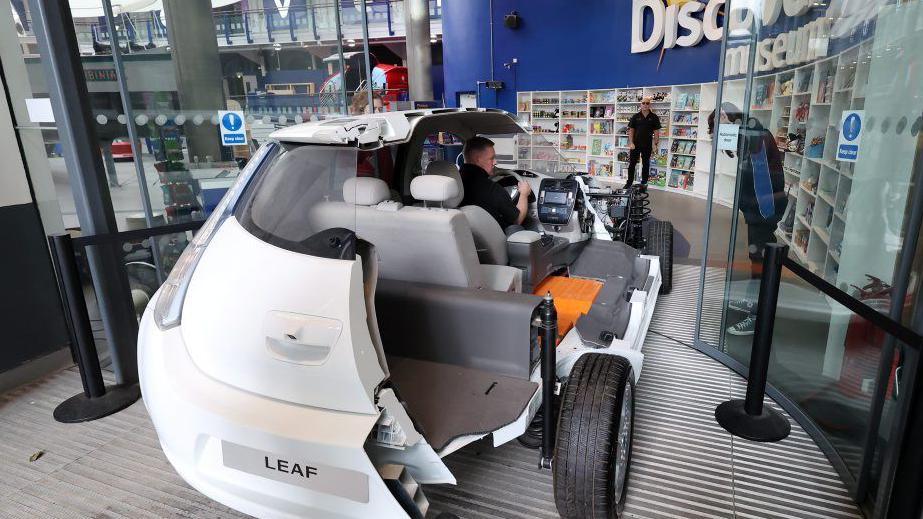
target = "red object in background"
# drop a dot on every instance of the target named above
(121, 150)
(863, 346)
(395, 80)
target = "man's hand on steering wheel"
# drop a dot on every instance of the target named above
(524, 188)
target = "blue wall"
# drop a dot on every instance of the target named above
(579, 44)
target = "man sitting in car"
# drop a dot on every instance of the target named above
(480, 190)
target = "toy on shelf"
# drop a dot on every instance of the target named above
(630, 96)
(660, 96)
(785, 88)
(601, 127)
(816, 149)
(599, 168)
(802, 112)
(796, 141)
(573, 114)
(601, 111)
(572, 100)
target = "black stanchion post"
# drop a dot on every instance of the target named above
(748, 418)
(549, 380)
(97, 400)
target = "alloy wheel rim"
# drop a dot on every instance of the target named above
(624, 442)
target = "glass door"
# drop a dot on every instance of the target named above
(817, 147)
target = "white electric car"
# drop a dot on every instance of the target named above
(339, 325)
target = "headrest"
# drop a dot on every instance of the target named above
(434, 188)
(365, 191)
(447, 169)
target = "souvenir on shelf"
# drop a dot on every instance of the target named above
(785, 88)
(816, 149)
(574, 98)
(802, 112)
(660, 96)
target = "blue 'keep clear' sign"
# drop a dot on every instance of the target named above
(847, 149)
(233, 130)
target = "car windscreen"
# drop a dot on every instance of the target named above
(531, 152)
(298, 192)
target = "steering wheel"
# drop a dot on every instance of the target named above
(509, 180)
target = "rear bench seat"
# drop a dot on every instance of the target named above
(431, 244)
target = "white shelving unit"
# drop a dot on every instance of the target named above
(807, 101)
(590, 130)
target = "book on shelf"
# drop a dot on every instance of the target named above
(657, 178)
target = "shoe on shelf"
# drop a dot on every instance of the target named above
(742, 305)
(745, 327)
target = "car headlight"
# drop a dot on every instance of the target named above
(169, 309)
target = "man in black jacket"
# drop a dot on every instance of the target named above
(480, 190)
(643, 139)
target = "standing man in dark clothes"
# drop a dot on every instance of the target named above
(642, 140)
(480, 159)
(762, 200)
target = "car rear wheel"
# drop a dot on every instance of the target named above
(593, 451)
(660, 243)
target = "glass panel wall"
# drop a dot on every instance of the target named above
(185, 65)
(825, 98)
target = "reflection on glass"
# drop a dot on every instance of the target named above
(844, 216)
(277, 64)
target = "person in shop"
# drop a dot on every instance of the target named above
(762, 200)
(643, 139)
(480, 159)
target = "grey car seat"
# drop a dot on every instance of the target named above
(488, 236)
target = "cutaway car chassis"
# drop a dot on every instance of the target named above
(342, 402)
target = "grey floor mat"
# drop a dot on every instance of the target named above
(449, 401)
(602, 259)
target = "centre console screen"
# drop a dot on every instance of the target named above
(556, 199)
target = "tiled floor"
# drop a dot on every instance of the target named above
(684, 464)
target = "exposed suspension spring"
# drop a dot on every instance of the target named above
(638, 213)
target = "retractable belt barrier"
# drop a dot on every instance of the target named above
(749, 418)
(97, 400)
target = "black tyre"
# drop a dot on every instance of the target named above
(593, 450)
(660, 243)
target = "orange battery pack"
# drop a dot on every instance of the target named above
(572, 298)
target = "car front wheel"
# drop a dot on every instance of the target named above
(593, 449)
